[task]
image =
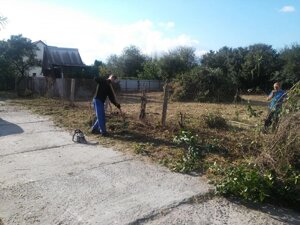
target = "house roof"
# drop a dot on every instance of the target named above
(39, 41)
(55, 56)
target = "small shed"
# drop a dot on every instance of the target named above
(62, 62)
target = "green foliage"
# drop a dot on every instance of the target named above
(176, 62)
(150, 71)
(248, 182)
(292, 101)
(290, 57)
(204, 84)
(249, 67)
(214, 120)
(141, 148)
(129, 64)
(19, 53)
(192, 153)
(261, 64)
(253, 112)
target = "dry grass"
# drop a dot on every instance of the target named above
(241, 139)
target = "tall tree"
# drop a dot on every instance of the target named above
(132, 61)
(20, 54)
(218, 60)
(261, 64)
(290, 73)
(172, 64)
(150, 70)
(114, 65)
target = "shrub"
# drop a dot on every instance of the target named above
(248, 182)
(204, 85)
(192, 152)
(214, 120)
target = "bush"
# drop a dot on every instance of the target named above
(248, 182)
(213, 120)
(204, 85)
(192, 152)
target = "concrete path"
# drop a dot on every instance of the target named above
(45, 178)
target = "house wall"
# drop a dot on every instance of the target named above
(39, 55)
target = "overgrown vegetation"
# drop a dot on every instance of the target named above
(276, 172)
(251, 183)
(239, 160)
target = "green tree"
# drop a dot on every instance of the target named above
(150, 70)
(132, 61)
(172, 65)
(176, 62)
(114, 65)
(260, 65)
(219, 59)
(204, 84)
(20, 54)
(290, 73)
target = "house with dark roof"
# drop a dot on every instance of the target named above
(37, 70)
(57, 62)
(61, 62)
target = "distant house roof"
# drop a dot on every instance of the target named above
(39, 41)
(55, 56)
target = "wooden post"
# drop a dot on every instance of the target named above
(63, 83)
(72, 96)
(143, 105)
(165, 105)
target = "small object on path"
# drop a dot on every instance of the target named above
(78, 137)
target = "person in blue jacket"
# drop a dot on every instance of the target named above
(104, 90)
(276, 98)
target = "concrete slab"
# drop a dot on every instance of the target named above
(119, 193)
(24, 142)
(61, 161)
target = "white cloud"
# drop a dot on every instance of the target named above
(95, 38)
(167, 25)
(287, 9)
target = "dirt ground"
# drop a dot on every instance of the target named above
(148, 138)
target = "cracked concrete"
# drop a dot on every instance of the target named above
(45, 178)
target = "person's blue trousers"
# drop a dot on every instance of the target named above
(99, 125)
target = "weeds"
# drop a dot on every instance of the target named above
(253, 112)
(192, 153)
(214, 120)
(250, 183)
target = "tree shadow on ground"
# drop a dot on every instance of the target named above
(7, 128)
(277, 212)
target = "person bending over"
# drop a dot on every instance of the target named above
(104, 90)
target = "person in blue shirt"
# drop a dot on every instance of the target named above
(276, 98)
(104, 90)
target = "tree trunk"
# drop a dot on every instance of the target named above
(165, 105)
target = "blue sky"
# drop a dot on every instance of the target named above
(104, 27)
